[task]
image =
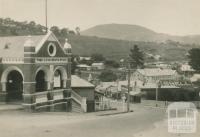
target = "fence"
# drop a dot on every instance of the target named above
(109, 105)
(164, 104)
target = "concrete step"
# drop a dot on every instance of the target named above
(10, 107)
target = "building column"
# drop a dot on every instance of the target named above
(64, 83)
(28, 95)
(48, 85)
(68, 83)
(3, 92)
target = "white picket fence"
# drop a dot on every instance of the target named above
(164, 104)
(109, 105)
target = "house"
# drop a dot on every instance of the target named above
(84, 67)
(84, 89)
(152, 75)
(109, 89)
(187, 70)
(163, 65)
(195, 78)
(157, 57)
(98, 66)
(85, 58)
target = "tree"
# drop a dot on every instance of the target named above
(194, 58)
(136, 57)
(87, 62)
(32, 24)
(77, 30)
(64, 32)
(96, 57)
(107, 76)
(112, 63)
(71, 32)
(55, 30)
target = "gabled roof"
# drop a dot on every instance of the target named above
(79, 82)
(13, 46)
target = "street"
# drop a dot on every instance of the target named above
(144, 121)
(22, 124)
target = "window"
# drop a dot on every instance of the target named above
(52, 49)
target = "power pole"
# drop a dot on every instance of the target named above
(158, 85)
(128, 94)
(156, 95)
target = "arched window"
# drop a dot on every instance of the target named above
(40, 81)
(57, 80)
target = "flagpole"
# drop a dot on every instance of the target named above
(46, 16)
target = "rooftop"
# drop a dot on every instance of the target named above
(83, 66)
(79, 82)
(157, 72)
(13, 46)
(93, 64)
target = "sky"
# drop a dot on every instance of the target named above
(175, 17)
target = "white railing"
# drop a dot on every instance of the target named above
(19, 60)
(12, 60)
(41, 97)
(51, 60)
(108, 105)
(76, 96)
(58, 94)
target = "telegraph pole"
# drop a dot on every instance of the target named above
(128, 93)
(156, 95)
(158, 85)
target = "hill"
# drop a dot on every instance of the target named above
(136, 33)
(117, 49)
(110, 48)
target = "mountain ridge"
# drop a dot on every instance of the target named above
(136, 33)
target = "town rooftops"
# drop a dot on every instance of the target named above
(85, 58)
(156, 72)
(79, 82)
(97, 64)
(83, 66)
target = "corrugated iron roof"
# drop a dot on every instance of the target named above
(13, 46)
(79, 82)
(157, 72)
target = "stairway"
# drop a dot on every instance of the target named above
(76, 107)
(78, 103)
